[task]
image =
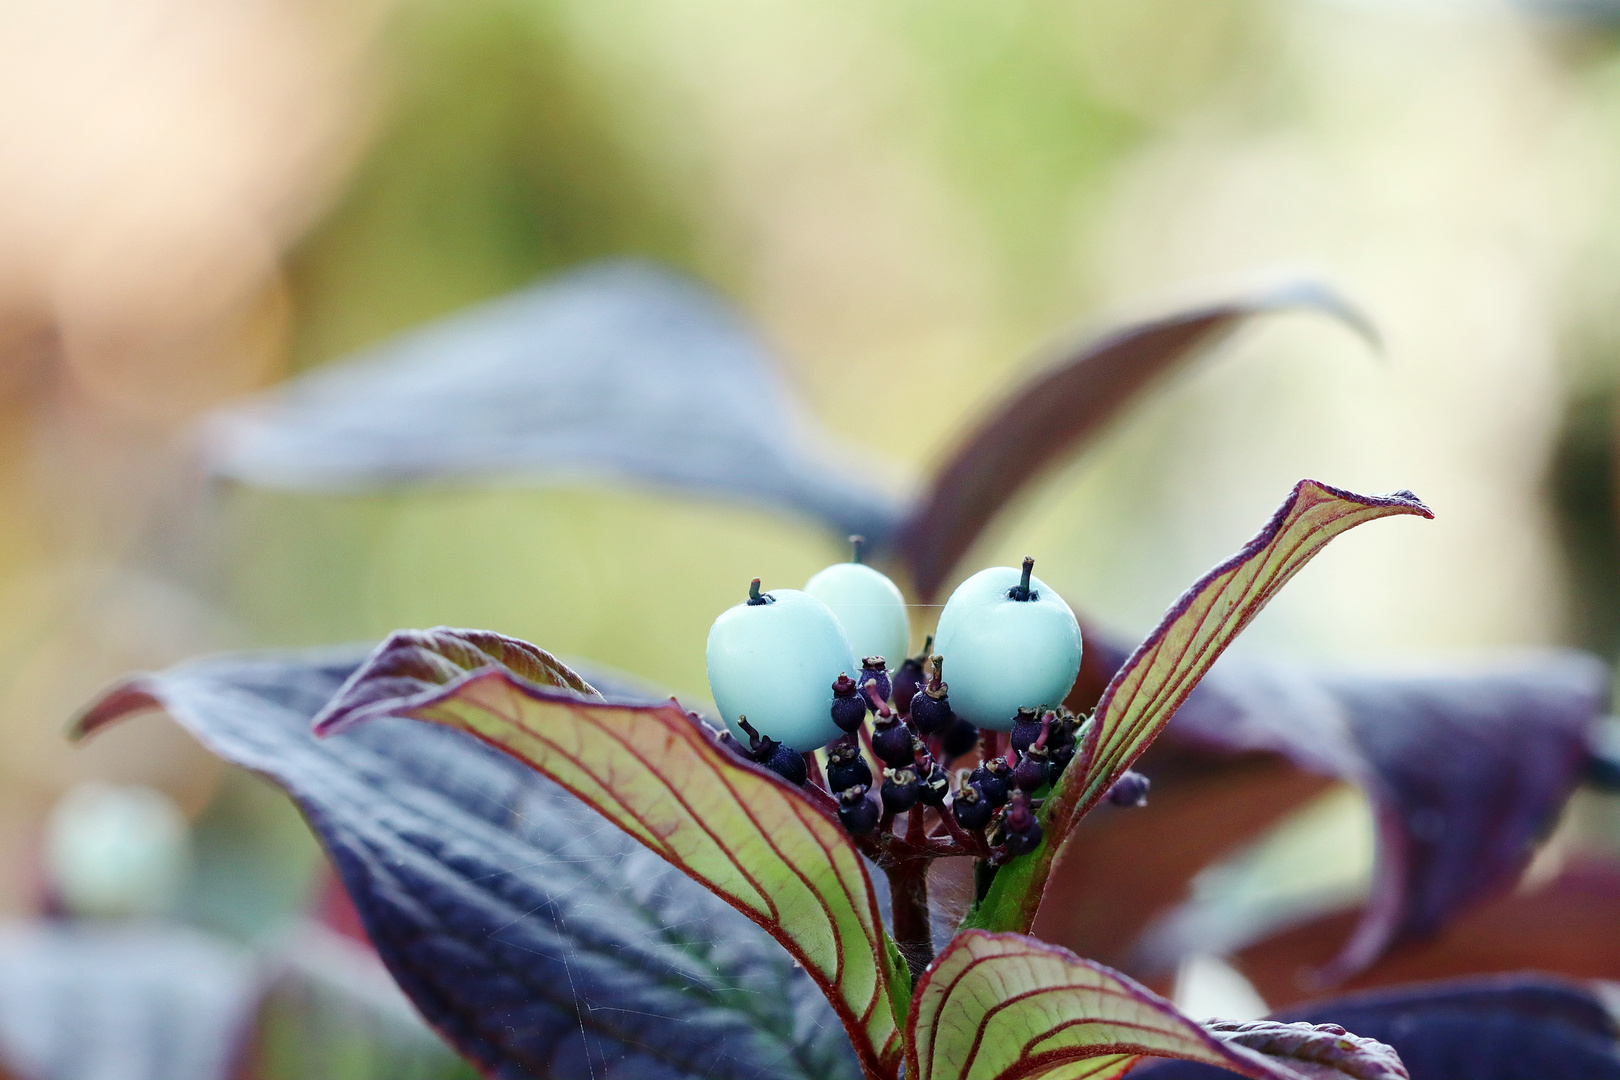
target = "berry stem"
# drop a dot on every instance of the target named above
(754, 597)
(913, 924)
(1021, 590)
(812, 766)
(856, 542)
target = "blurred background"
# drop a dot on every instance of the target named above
(915, 202)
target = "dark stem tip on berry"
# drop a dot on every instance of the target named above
(856, 542)
(1022, 591)
(755, 597)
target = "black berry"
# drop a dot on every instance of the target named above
(1025, 730)
(901, 790)
(1021, 833)
(994, 781)
(846, 768)
(1033, 770)
(957, 739)
(848, 710)
(894, 744)
(874, 669)
(931, 710)
(908, 680)
(858, 813)
(971, 809)
(935, 786)
(1130, 789)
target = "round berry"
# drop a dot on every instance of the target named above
(1011, 642)
(774, 659)
(848, 707)
(908, 680)
(1131, 789)
(1022, 841)
(868, 606)
(894, 744)
(901, 790)
(958, 739)
(935, 786)
(1026, 729)
(971, 809)
(874, 680)
(787, 763)
(846, 768)
(858, 813)
(931, 710)
(994, 781)
(1032, 771)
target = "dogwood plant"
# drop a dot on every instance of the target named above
(994, 1002)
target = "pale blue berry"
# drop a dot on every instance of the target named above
(868, 606)
(1010, 642)
(774, 659)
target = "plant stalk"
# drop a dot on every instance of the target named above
(912, 926)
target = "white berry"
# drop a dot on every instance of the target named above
(869, 607)
(1002, 654)
(775, 663)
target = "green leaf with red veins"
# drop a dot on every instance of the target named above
(750, 837)
(1009, 1007)
(1147, 690)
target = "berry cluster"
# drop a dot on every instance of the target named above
(781, 663)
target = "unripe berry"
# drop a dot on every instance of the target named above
(784, 761)
(1026, 729)
(875, 684)
(774, 660)
(1011, 642)
(848, 707)
(971, 808)
(1021, 833)
(994, 781)
(935, 786)
(958, 739)
(858, 813)
(868, 606)
(1032, 771)
(901, 789)
(846, 768)
(893, 743)
(908, 679)
(1131, 789)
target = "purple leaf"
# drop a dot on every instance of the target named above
(756, 841)
(1467, 770)
(1149, 687)
(1060, 411)
(1009, 1007)
(1506, 1028)
(620, 371)
(537, 939)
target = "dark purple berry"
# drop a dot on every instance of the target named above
(1060, 761)
(994, 781)
(1020, 832)
(858, 813)
(1025, 730)
(958, 739)
(908, 680)
(848, 710)
(1033, 770)
(874, 669)
(787, 763)
(1022, 841)
(1130, 789)
(901, 790)
(931, 710)
(894, 744)
(971, 809)
(846, 768)
(935, 786)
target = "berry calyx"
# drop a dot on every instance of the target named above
(971, 809)
(1012, 642)
(936, 784)
(858, 814)
(1131, 789)
(901, 790)
(775, 662)
(846, 768)
(848, 707)
(931, 706)
(994, 781)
